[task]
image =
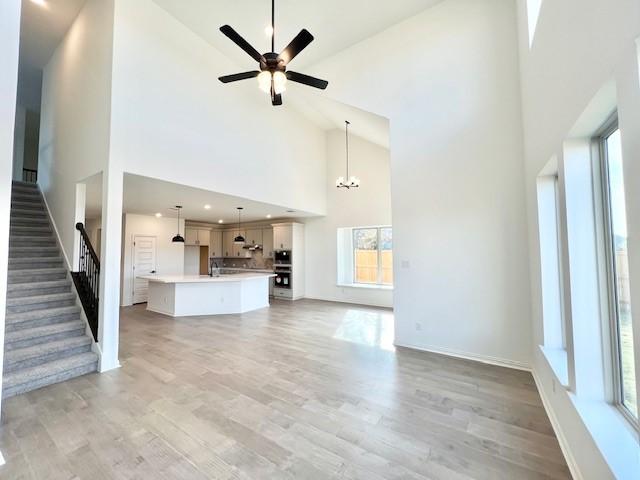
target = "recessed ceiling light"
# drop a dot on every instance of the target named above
(40, 3)
(207, 207)
(220, 221)
(158, 215)
(269, 216)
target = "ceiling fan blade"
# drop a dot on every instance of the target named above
(238, 76)
(307, 80)
(298, 44)
(242, 43)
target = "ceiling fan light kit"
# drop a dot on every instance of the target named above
(273, 75)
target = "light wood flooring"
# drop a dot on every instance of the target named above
(300, 390)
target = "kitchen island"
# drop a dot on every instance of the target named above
(188, 295)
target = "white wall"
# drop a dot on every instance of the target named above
(9, 47)
(93, 226)
(169, 256)
(579, 48)
(75, 117)
(459, 218)
(18, 141)
(368, 205)
(173, 120)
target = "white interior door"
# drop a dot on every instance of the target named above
(144, 263)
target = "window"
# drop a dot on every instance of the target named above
(373, 256)
(618, 269)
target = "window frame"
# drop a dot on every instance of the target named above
(610, 286)
(379, 274)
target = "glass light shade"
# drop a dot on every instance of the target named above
(340, 182)
(354, 181)
(239, 240)
(264, 81)
(279, 82)
(178, 239)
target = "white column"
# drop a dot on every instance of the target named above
(81, 202)
(109, 312)
(9, 46)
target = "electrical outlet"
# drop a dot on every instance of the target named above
(405, 264)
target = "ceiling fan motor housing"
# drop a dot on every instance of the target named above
(272, 63)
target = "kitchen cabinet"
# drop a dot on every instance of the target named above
(215, 244)
(197, 237)
(227, 243)
(190, 236)
(282, 237)
(254, 236)
(267, 242)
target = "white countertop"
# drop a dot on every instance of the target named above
(235, 277)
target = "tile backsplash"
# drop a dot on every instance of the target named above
(257, 260)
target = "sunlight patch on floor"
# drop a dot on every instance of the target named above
(374, 329)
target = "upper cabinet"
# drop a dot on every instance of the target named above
(283, 236)
(267, 242)
(215, 244)
(197, 237)
(254, 236)
(190, 236)
(227, 243)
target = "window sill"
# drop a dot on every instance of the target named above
(365, 286)
(557, 360)
(613, 434)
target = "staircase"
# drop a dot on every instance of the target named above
(45, 340)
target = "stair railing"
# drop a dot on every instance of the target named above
(87, 279)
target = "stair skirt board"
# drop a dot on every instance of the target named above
(45, 334)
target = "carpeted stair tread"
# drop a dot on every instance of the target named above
(33, 299)
(22, 230)
(24, 380)
(39, 314)
(15, 289)
(21, 263)
(44, 331)
(31, 274)
(37, 354)
(41, 251)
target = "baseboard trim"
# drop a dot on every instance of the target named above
(347, 302)
(557, 429)
(55, 229)
(489, 360)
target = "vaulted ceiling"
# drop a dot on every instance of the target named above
(335, 24)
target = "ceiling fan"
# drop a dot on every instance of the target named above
(273, 74)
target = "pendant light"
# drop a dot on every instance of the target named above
(178, 238)
(239, 240)
(352, 181)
